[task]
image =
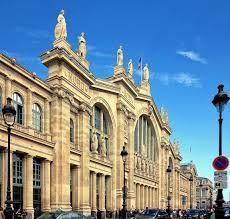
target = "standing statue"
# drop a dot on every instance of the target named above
(139, 163)
(94, 143)
(103, 147)
(166, 117)
(130, 69)
(146, 73)
(82, 45)
(120, 56)
(60, 29)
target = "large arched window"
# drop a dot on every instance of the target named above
(71, 131)
(18, 104)
(144, 138)
(37, 117)
(99, 131)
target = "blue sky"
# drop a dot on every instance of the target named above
(185, 43)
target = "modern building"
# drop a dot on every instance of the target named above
(204, 193)
(71, 128)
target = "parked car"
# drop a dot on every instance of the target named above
(194, 214)
(153, 214)
(226, 213)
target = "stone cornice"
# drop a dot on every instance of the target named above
(105, 85)
(24, 72)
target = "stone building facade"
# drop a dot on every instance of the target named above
(70, 130)
(205, 194)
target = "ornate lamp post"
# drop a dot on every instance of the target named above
(168, 170)
(9, 114)
(124, 155)
(219, 101)
(191, 180)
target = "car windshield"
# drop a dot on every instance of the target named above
(150, 212)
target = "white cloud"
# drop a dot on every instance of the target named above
(192, 55)
(92, 50)
(183, 78)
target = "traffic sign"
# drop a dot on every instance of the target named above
(220, 163)
(220, 179)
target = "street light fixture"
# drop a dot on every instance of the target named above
(124, 155)
(220, 101)
(9, 114)
(168, 170)
(191, 180)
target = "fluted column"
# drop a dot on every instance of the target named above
(5, 174)
(28, 184)
(45, 186)
(108, 190)
(102, 194)
(138, 196)
(94, 195)
(142, 197)
(146, 196)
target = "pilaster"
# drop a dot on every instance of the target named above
(47, 117)
(75, 171)
(102, 195)
(28, 117)
(8, 87)
(94, 195)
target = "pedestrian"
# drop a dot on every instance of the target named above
(2, 216)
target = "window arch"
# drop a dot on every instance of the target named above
(37, 117)
(99, 131)
(71, 131)
(144, 138)
(18, 104)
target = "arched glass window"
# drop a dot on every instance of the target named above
(18, 104)
(144, 138)
(99, 129)
(37, 117)
(71, 131)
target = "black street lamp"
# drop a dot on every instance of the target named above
(168, 170)
(219, 101)
(124, 155)
(191, 180)
(9, 114)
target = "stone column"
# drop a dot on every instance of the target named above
(47, 117)
(45, 186)
(94, 195)
(108, 193)
(85, 172)
(102, 195)
(142, 197)
(28, 184)
(5, 176)
(131, 195)
(138, 196)
(75, 188)
(146, 196)
(28, 113)
(8, 87)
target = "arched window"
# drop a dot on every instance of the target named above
(99, 131)
(144, 138)
(37, 117)
(18, 104)
(71, 131)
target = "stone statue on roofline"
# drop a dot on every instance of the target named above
(82, 45)
(60, 29)
(130, 69)
(146, 73)
(120, 56)
(164, 115)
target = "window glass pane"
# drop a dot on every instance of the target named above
(140, 134)
(136, 138)
(97, 118)
(104, 124)
(71, 131)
